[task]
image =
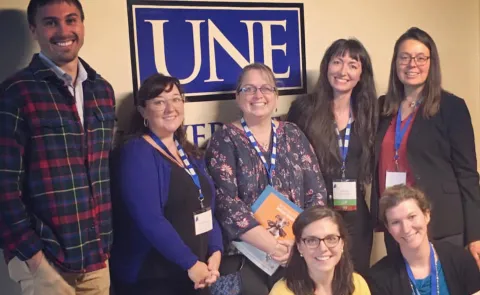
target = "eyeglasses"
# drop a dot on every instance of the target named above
(313, 242)
(420, 60)
(250, 89)
(161, 104)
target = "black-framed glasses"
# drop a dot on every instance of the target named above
(330, 241)
(250, 89)
(420, 60)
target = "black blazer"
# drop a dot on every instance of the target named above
(441, 155)
(389, 275)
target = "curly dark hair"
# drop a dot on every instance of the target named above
(314, 113)
(297, 277)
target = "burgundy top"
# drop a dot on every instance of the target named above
(387, 152)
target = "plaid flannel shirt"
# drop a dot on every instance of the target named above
(54, 172)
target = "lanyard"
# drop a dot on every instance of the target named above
(434, 285)
(343, 144)
(187, 166)
(400, 132)
(254, 143)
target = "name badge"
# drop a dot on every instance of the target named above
(203, 221)
(394, 178)
(345, 194)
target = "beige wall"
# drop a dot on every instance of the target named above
(454, 24)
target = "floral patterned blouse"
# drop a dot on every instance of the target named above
(240, 176)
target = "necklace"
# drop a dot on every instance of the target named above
(265, 146)
(414, 103)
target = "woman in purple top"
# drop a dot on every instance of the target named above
(283, 158)
(166, 239)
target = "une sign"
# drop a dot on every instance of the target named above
(206, 44)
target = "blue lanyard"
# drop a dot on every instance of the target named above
(343, 144)
(434, 285)
(399, 131)
(187, 166)
(254, 143)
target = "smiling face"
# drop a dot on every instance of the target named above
(321, 258)
(59, 31)
(343, 74)
(261, 103)
(165, 112)
(413, 74)
(408, 224)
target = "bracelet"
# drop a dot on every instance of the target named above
(269, 255)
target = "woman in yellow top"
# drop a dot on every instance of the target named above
(319, 265)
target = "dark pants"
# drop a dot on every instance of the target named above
(254, 280)
(393, 247)
(158, 287)
(360, 230)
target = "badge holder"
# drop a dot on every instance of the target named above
(203, 219)
(345, 193)
(395, 177)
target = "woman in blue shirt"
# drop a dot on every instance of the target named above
(166, 238)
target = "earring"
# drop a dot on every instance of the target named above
(301, 255)
(145, 122)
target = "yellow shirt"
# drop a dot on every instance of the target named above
(361, 287)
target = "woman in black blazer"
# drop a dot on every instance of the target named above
(437, 149)
(420, 267)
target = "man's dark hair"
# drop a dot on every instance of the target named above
(35, 4)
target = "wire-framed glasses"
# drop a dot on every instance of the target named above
(250, 89)
(161, 104)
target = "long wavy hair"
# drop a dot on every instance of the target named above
(433, 85)
(297, 276)
(152, 87)
(317, 118)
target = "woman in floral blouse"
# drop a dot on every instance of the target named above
(242, 167)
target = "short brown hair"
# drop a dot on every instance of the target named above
(399, 193)
(35, 4)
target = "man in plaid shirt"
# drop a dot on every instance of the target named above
(56, 128)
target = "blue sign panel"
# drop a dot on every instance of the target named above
(206, 44)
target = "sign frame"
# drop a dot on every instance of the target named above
(220, 95)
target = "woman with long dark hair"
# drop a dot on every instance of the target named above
(340, 118)
(167, 240)
(425, 138)
(319, 263)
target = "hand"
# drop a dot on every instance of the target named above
(474, 248)
(34, 262)
(213, 264)
(283, 255)
(198, 273)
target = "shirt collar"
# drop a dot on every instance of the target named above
(82, 73)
